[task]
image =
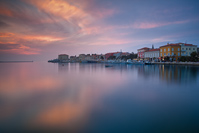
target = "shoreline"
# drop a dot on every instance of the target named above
(177, 63)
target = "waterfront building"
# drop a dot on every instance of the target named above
(171, 50)
(187, 49)
(107, 55)
(63, 57)
(82, 57)
(152, 54)
(142, 51)
(73, 59)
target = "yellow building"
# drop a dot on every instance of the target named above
(171, 50)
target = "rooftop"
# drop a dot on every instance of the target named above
(177, 44)
(174, 44)
(144, 48)
(157, 49)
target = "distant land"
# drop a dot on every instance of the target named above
(13, 61)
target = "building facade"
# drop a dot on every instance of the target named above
(142, 51)
(187, 49)
(170, 50)
(82, 57)
(152, 54)
(63, 57)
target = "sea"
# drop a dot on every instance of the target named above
(92, 98)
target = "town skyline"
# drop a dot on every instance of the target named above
(40, 30)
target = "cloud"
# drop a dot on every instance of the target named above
(42, 38)
(6, 34)
(18, 49)
(71, 26)
(150, 25)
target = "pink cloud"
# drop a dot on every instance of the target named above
(149, 25)
(25, 50)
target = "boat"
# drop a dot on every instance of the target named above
(129, 61)
(108, 65)
(91, 61)
(148, 63)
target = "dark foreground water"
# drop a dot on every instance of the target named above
(90, 98)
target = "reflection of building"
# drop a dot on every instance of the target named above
(170, 50)
(178, 74)
(63, 57)
(187, 49)
(142, 51)
(152, 54)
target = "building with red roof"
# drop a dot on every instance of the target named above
(152, 54)
(187, 49)
(142, 51)
(171, 50)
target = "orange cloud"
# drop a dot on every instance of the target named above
(43, 38)
(78, 15)
(20, 44)
(5, 11)
(6, 34)
(64, 10)
(25, 50)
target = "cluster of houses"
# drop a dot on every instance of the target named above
(92, 57)
(173, 50)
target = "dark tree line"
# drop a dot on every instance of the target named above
(193, 58)
(124, 57)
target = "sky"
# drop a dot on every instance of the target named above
(39, 30)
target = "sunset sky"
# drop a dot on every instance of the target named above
(42, 29)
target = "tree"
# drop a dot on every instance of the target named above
(194, 56)
(102, 57)
(166, 58)
(132, 56)
(111, 57)
(124, 57)
(183, 58)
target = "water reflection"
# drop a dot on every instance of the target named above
(171, 73)
(83, 97)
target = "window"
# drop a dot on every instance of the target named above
(193, 48)
(178, 53)
(178, 49)
(164, 54)
(168, 54)
(161, 54)
(172, 53)
(189, 48)
(160, 50)
(186, 53)
(164, 50)
(172, 49)
(186, 48)
(168, 49)
(182, 48)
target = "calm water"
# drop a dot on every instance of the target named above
(90, 98)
